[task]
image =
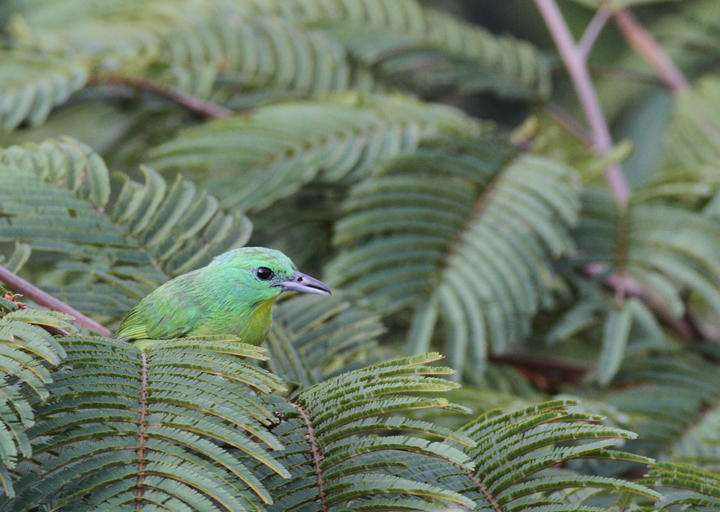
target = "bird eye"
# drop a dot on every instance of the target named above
(264, 273)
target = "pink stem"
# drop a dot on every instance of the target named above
(580, 76)
(19, 285)
(592, 32)
(644, 43)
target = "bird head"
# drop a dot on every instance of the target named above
(262, 273)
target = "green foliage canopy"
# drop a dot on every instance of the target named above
(502, 247)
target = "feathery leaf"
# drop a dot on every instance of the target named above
(465, 236)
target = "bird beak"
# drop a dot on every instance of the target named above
(304, 283)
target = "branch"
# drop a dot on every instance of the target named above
(39, 297)
(575, 59)
(141, 434)
(576, 64)
(317, 454)
(634, 288)
(543, 371)
(488, 497)
(644, 43)
(192, 103)
(592, 32)
(577, 69)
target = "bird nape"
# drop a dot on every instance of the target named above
(232, 295)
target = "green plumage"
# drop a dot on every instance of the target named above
(232, 295)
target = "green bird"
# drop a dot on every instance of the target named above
(231, 295)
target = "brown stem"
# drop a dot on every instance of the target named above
(39, 297)
(192, 103)
(646, 45)
(543, 371)
(493, 504)
(317, 455)
(141, 434)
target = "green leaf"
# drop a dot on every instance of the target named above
(123, 426)
(615, 337)
(672, 396)
(149, 232)
(253, 160)
(666, 248)
(316, 337)
(31, 84)
(27, 351)
(18, 258)
(698, 488)
(463, 230)
(427, 50)
(692, 138)
(335, 455)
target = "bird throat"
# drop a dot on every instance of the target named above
(255, 328)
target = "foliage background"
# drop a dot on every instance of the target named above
(432, 166)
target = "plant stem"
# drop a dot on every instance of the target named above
(577, 69)
(646, 45)
(317, 455)
(632, 287)
(192, 103)
(39, 297)
(141, 433)
(592, 32)
(488, 497)
(575, 59)
(553, 371)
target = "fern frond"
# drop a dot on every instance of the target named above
(224, 44)
(126, 428)
(617, 327)
(197, 46)
(336, 465)
(27, 351)
(666, 248)
(17, 259)
(695, 489)
(32, 83)
(691, 138)
(255, 159)
(66, 162)
(194, 46)
(673, 398)
(396, 35)
(521, 460)
(465, 236)
(181, 227)
(150, 231)
(313, 338)
(514, 449)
